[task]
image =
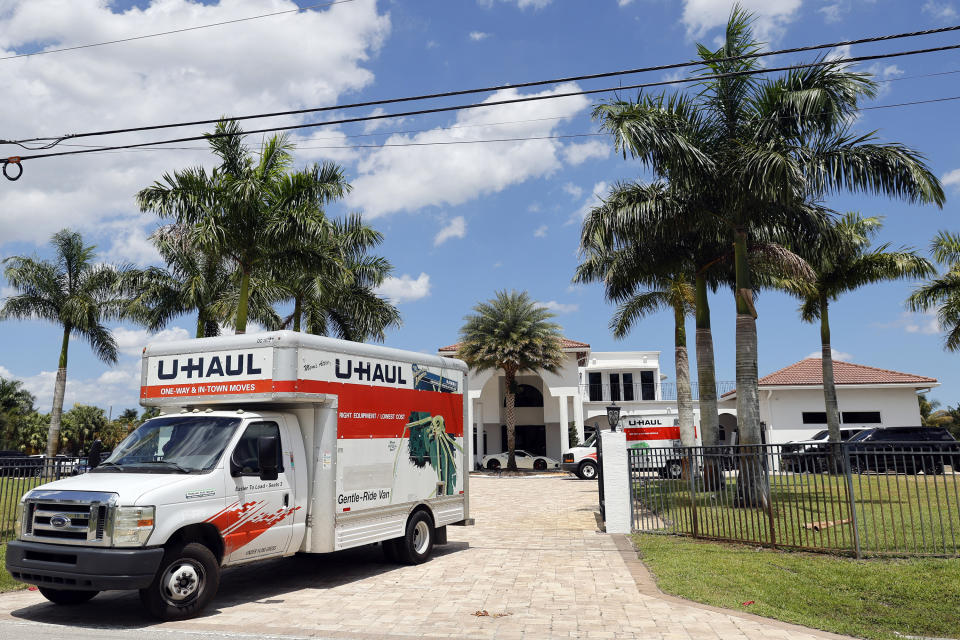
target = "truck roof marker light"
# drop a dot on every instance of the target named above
(208, 410)
(346, 508)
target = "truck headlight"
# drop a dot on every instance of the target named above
(21, 518)
(132, 526)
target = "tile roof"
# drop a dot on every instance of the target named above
(809, 371)
(567, 344)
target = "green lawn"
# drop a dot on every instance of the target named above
(895, 514)
(11, 490)
(874, 598)
(7, 583)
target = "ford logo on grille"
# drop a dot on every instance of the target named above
(60, 521)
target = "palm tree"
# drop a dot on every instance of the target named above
(763, 149)
(844, 262)
(195, 280)
(335, 293)
(512, 333)
(943, 292)
(75, 292)
(15, 403)
(248, 211)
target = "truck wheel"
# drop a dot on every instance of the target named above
(672, 470)
(587, 470)
(186, 582)
(415, 547)
(493, 465)
(66, 596)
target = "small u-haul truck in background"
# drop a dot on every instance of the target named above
(266, 445)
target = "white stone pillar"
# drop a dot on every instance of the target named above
(616, 482)
(578, 415)
(564, 425)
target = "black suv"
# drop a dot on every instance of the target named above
(811, 455)
(903, 450)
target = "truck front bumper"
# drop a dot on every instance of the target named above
(61, 566)
(572, 467)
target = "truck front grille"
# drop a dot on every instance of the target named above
(68, 517)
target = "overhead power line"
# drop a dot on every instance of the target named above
(53, 140)
(18, 159)
(485, 140)
(173, 31)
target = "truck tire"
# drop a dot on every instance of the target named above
(186, 582)
(66, 596)
(587, 470)
(415, 547)
(673, 470)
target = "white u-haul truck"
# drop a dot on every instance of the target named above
(266, 445)
(643, 432)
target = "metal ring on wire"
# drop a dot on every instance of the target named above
(6, 163)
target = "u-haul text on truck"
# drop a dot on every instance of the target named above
(266, 445)
(642, 432)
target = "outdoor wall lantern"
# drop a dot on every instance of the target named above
(613, 416)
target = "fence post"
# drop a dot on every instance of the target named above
(853, 500)
(616, 482)
(691, 471)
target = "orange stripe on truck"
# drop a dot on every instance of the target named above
(652, 433)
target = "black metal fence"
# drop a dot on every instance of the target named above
(20, 474)
(899, 499)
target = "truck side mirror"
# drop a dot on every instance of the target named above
(267, 455)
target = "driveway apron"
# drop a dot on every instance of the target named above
(534, 566)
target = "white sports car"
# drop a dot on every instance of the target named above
(524, 459)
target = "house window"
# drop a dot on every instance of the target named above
(596, 388)
(861, 417)
(627, 387)
(814, 417)
(615, 386)
(526, 396)
(647, 390)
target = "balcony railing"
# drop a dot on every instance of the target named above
(640, 392)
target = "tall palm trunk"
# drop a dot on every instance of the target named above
(707, 377)
(297, 312)
(684, 396)
(829, 386)
(60, 387)
(510, 381)
(752, 489)
(243, 302)
(201, 325)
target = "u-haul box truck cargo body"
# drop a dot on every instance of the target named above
(642, 432)
(266, 445)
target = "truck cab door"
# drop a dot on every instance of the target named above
(258, 521)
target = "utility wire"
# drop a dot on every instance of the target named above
(53, 140)
(488, 140)
(167, 33)
(18, 159)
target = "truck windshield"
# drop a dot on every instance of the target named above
(172, 444)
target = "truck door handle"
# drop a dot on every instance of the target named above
(286, 499)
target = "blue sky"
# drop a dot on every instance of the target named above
(460, 221)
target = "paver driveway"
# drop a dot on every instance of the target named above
(535, 555)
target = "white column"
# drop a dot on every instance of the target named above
(564, 420)
(578, 414)
(478, 419)
(616, 482)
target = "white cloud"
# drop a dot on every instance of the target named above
(202, 74)
(132, 341)
(833, 12)
(405, 288)
(5, 373)
(940, 10)
(597, 194)
(837, 355)
(951, 178)
(132, 244)
(523, 4)
(534, 207)
(118, 386)
(372, 125)
(623, 3)
(772, 16)
(579, 153)
(456, 228)
(925, 323)
(573, 190)
(6, 292)
(559, 307)
(477, 36)
(408, 178)
(541, 231)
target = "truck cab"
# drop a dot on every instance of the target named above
(280, 462)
